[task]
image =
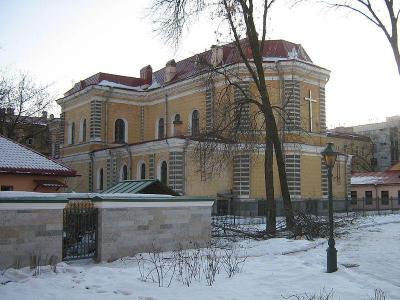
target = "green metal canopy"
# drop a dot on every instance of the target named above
(145, 186)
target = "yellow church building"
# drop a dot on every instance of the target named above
(117, 127)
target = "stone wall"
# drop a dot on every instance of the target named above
(127, 231)
(32, 224)
(27, 232)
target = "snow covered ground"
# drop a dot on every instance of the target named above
(274, 268)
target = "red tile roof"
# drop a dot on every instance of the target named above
(99, 77)
(189, 67)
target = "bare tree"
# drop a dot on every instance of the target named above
(22, 102)
(241, 19)
(382, 13)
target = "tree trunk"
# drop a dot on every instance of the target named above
(271, 129)
(269, 185)
(396, 53)
(287, 203)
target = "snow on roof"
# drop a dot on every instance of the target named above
(367, 180)
(132, 196)
(118, 85)
(16, 158)
(44, 196)
(376, 178)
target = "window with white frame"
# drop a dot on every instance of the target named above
(100, 179)
(71, 133)
(123, 174)
(194, 122)
(120, 131)
(162, 171)
(141, 170)
(160, 129)
(82, 130)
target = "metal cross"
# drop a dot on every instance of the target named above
(310, 101)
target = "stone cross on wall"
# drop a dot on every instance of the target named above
(310, 111)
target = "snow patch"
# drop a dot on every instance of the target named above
(367, 180)
(139, 88)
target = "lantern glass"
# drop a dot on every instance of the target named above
(329, 155)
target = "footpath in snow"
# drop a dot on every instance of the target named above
(275, 268)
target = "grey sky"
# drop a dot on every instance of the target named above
(65, 41)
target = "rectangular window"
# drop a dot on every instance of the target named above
(5, 188)
(385, 197)
(353, 196)
(368, 197)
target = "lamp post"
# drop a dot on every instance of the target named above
(329, 155)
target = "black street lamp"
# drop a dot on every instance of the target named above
(329, 155)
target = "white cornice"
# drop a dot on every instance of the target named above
(171, 144)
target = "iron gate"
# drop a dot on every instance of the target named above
(79, 230)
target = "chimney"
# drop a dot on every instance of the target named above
(146, 73)
(217, 55)
(44, 114)
(170, 70)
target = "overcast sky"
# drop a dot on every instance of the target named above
(62, 42)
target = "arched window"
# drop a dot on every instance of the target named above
(73, 133)
(124, 173)
(143, 171)
(161, 133)
(82, 130)
(100, 180)
(195, 123)
(162, 171)
(119, 131)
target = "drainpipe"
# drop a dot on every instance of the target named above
(91, 155)
(185, 146)
(166, 116)
(128, 150)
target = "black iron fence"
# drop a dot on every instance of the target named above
(375, 205)
(79, 231)
(253, 212)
